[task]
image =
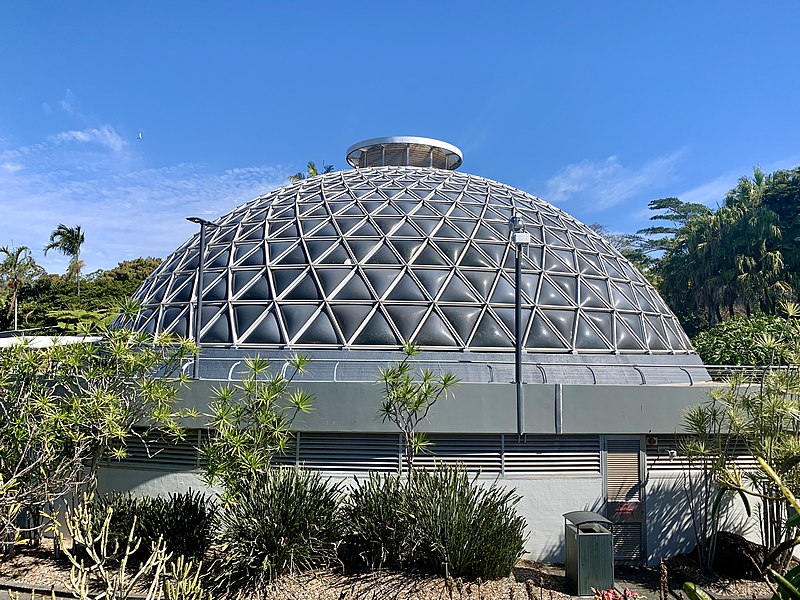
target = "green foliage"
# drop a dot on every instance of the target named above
(282, 520)
(251, 421)
(464, 528)
(311, 171)
(184, 522)
(379, 525)
(65, 407)
(749, 341)
(408, 398)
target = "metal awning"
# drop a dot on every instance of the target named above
(579, 517)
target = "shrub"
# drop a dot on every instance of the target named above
(378, 523)
(279, 521)
(464, 529)
(183, 521)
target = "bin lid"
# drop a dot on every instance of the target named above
(579, 517)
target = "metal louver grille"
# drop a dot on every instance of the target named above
(551, 455)
(156, 452)
(476, 453)
(351, 453)
(628, 542)
(622, 461)
(668, 456)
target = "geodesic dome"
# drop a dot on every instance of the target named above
(378, 255)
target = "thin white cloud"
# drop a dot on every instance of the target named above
(105, 136)
(126, 210)
(68, 102)
(599, 185)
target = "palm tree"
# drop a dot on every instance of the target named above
(17, 269)
(68, 241)
(311, 171)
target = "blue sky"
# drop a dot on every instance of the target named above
(597, 107)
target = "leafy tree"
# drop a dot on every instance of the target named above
(251, 422)
(17, 270)
(68, 241)
(66, 407)
(408, 398)
(311, 171)
(741, 341)
(673, 211)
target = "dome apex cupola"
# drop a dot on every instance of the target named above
(404, 151)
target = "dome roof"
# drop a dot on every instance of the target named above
(372, 257)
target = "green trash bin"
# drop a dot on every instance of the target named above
(589, 552)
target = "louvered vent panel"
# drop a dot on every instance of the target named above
(668, 455)
(476, 453)
(623, 470)
(552, 455)
(628, 543)
(155, 452)
(349, 453)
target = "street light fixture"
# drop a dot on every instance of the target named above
(519, 237)
(199, 304)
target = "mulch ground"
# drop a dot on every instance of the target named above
(36, 567)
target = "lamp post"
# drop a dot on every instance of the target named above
(519, 237)
(199, 304)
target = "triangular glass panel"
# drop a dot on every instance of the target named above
(424, 210)
(313, 209)
(406, 290)
(427, 225)
(406, 248)
(506, 315)
(390, 210)
(284, 278)
(654, 330)
(225, 235)
(644, 300)
(458, 291)
(386, 224)
(320, 332)
(551, 295)
(434, 332)
(266, 332)
(350, 317)
(327, 230)
(316, 248)
(504, 292)
(613, 269)
(674, 339)
(531, 258)
(175, 320)
(562, 320)
(432, 280)
(242, 252)
(215, 287)
(288, 232)
(337, 256)
(490, 334)
(629, 332)
(277, 248)
(295, 316)
(406, 318)
(481, 280)
(295, 256)
(530, 286)
(331, 278)
(254, 234)
(361, 248)
(347, 223)
(371, 206)
(246, 315)
(462, 319)
(568, 286)
(216, 326)
(473, 257)
(485, 232)
(353, 210)
(553, 262)
(406, 230)
(367, 229)
(553, 238)
(383, 256)
(589, 264)
(465, 227)
(581, 242)
(622, 296)
(451, 250)
(354, 289)
(543, 335)
(220, 260)
(587, 338)
(602, 321)
(182, 289)
(381, 279)
(305, 289)
(447, 231)
(495, 252)
(256, 283)
(594, 293)
(377, 332)
(429, 256)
